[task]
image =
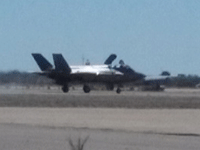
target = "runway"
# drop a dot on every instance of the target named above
(115, 129)
(157, 121)
(18, 137)
(25, 124)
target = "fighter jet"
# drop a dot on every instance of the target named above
(119, 75)
(63, 74)
(154, 81)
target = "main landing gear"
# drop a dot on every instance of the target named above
(65, 88)
(86, 89)
(118, 90)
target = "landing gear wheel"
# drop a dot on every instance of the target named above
(65, 89)
(118, 91)
(86, 88)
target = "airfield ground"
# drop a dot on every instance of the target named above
(42, 97)
(45, 119)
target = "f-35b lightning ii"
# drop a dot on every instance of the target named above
(154, 82)
(63, 74)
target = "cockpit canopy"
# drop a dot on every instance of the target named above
(127, 70)
(124, 69)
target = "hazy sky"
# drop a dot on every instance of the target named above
(149, 35)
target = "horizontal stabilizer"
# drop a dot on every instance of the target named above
(110, 59)
(42, 62)
(61, 64)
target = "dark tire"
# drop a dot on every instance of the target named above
(118, 91)
(86, 89)
(65, 89)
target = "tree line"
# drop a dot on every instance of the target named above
(182, 80)
(23, 78)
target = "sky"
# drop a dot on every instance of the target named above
(149, 35)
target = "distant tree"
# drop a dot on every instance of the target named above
(185, 81)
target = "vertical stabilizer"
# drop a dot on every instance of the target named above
(61, 64)
(42, 62)
(110, 59)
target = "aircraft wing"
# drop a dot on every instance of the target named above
(156, 79)
(149, 78)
